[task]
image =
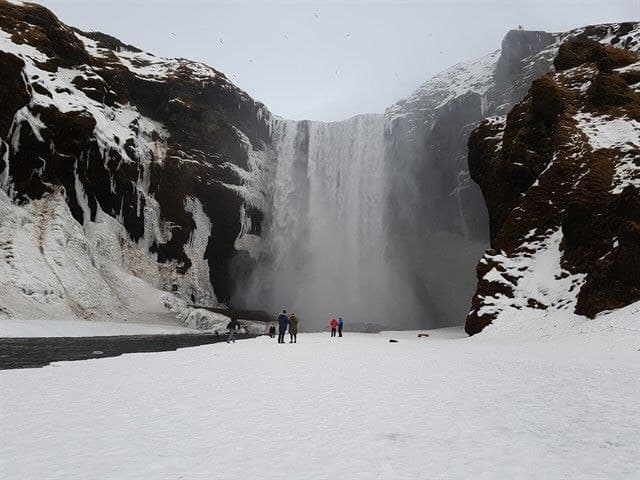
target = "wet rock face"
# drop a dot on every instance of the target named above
(130, 135)
(560, 175)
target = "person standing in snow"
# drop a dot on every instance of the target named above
(293, 328)
(233, 326)
(272, 331)
(340, 325)
(333, 324)
(283, 321)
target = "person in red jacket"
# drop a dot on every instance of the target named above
(333, 324)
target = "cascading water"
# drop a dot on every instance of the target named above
(325, 237)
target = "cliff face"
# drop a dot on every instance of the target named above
(132, 183)
(155, 159)
(560, 175)
(438, 221)
(437, 215)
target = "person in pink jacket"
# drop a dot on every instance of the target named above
(333, 324)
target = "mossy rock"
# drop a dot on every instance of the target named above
(578, 51)
(547, 100)
(610, 90)
(581, 50)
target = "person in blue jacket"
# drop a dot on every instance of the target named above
(340, 325)
(283, 322)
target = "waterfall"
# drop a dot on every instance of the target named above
(325, 236)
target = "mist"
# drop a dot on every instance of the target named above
(326, 236)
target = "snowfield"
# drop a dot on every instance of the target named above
(446, 407)
(82, 328)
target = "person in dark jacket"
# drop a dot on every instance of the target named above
(283, 321)
(333, 324)
(272, 331)
(233, 326)
(293, 328)
(340, 325)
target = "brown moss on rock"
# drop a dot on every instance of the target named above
(35, 25)
(614, 278)
(610, 91)
(600, 230)
(582, 50)
(547, 100)
(527, 148)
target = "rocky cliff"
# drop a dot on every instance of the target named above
(132, 185)
(436, 212)
(560, 174)
(118, 166)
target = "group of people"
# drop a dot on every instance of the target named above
(284, 322)
(336, 324)
(291, 323)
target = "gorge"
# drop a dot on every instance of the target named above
(173, 189)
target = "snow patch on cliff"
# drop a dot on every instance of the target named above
(196, 286)
(53, 268)
(475, 76)
(621, 133)
(534, 274)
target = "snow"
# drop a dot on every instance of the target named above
(150, 67)
(201, 319)
(627, 172)
(473, 76)
(621, 134)
(53, 268)
(534, 273)
(246, 241)
(81, 328)
(205, 320)
(605, 132)
(197, 282)
(359, 407)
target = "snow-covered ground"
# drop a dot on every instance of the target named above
(195, 320)
(445, 407)
(80, 328)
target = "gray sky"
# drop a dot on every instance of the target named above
(333, 59)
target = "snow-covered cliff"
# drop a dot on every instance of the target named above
(561, 178)
(437, 217)
(128, 181)
(133, 185)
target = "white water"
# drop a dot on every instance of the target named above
(326, 237)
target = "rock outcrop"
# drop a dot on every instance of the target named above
(131, 183)
(560, 175)
(151, 156)
(438, 220)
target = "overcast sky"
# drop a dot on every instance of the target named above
(333, 59)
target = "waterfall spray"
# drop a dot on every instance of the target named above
(325, 237)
